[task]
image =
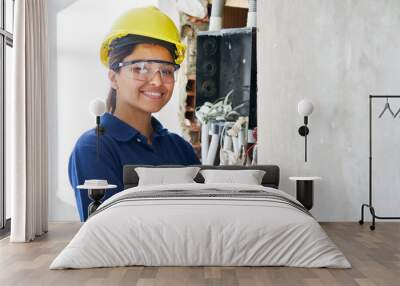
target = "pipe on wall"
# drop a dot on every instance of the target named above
(217, 12)
(252, 14)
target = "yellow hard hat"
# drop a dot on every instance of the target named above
(149, 22)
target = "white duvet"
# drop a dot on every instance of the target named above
(200, 231)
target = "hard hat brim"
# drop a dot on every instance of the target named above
(105, 47)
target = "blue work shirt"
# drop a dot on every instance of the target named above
(120, 145)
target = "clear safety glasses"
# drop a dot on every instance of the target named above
(144, 70)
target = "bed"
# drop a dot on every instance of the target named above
(198, 224)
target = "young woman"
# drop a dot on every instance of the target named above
(143, 53)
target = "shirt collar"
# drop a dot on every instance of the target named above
(122, 131)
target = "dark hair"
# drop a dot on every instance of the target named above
(121, 48)
(115, 56)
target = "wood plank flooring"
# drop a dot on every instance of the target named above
(374, 255)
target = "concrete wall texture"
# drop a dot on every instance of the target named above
(334, 53)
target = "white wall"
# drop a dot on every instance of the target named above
(76, 30)
(335, 53)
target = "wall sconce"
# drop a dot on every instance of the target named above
(97, 107)
(305, 108)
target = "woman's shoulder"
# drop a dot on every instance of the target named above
(177, 138)
(89, 139)
(180, 141)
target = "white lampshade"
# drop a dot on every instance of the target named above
(97, 107)
(305, 107)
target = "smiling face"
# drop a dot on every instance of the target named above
(143, 96)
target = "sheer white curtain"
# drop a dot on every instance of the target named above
(28, 116)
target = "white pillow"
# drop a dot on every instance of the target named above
(249, 177)
(163, 176)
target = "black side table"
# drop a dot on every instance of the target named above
(96, 191)
(305, 190)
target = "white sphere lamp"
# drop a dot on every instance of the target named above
(97, 107)
(305, 107)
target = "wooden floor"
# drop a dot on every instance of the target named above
(374, 255)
